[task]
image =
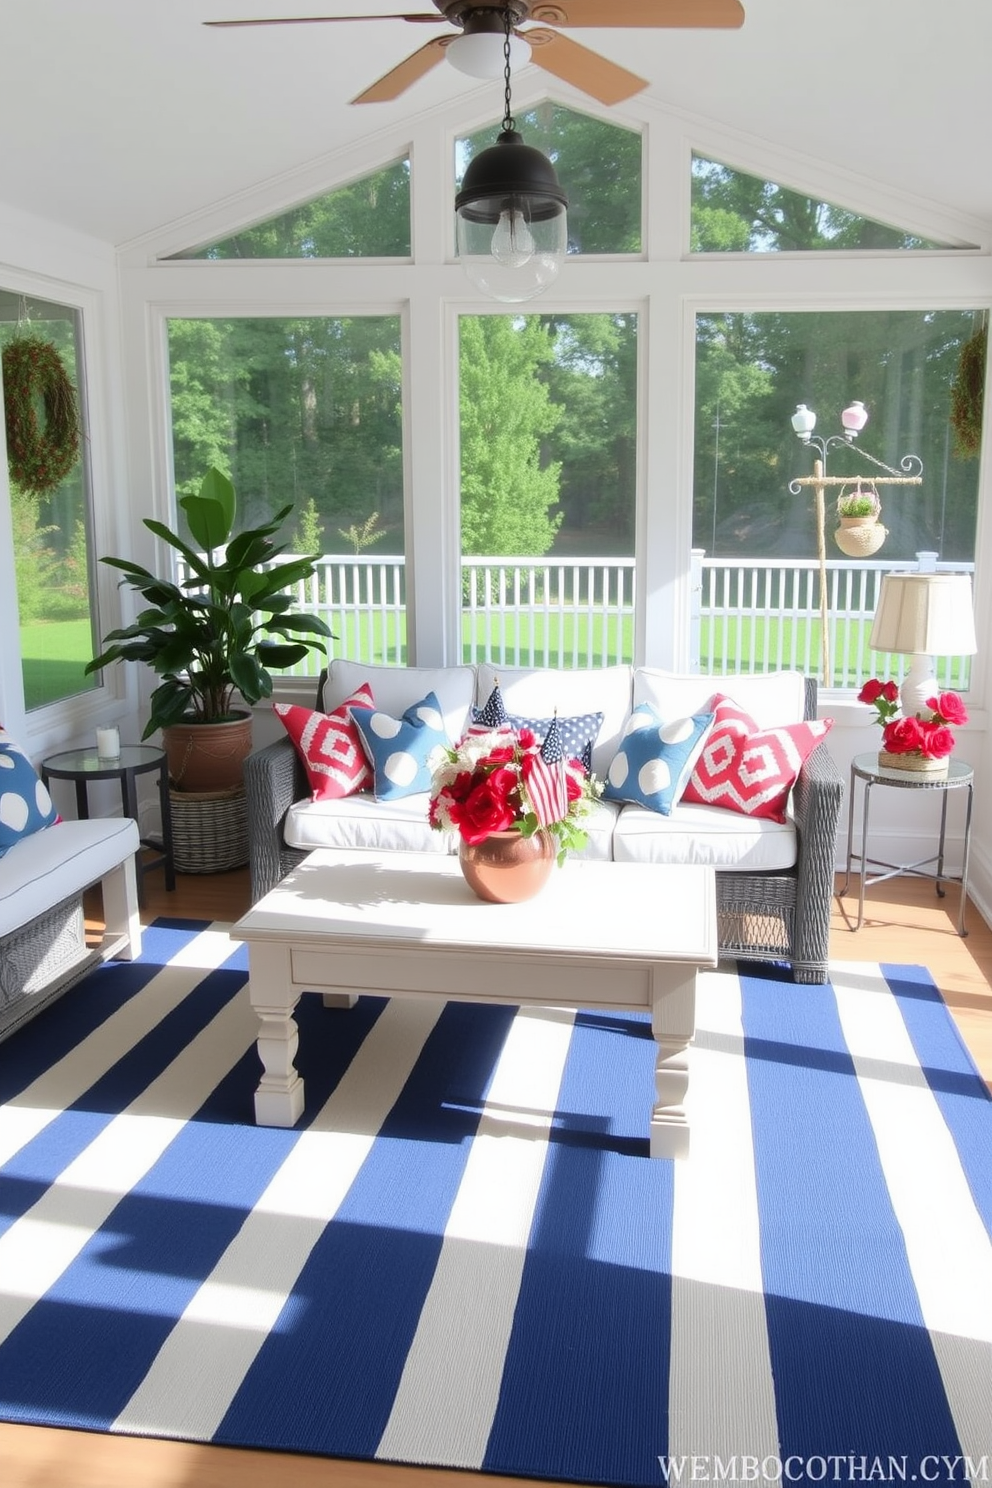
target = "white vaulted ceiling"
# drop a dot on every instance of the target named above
(119, 117)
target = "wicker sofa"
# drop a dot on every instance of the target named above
(774, 882)
(43, 945)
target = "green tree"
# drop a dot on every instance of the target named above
(508, 491)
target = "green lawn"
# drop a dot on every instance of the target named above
(53, 655)
(55, 652)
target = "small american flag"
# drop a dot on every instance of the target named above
(546, 778)
(493, 715)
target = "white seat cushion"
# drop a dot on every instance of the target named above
(41, 870)
(705, 835)
(362, 821)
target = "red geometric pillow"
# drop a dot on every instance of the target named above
(329, 745)
(750, 770)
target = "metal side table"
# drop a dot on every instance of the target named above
(865, 767)
(84, 765)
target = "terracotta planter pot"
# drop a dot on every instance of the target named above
(507, 868)
(207, 756)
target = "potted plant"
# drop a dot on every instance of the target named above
(210, 638)
(859, 532)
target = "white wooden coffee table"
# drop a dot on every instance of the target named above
(394, 924)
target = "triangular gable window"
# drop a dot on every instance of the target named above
(598, 165)
(369, 218)
(736, 213)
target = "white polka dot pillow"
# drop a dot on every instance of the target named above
(25, 805)
(750, 770)
(330, 745)
(655, 758)
(402, 751)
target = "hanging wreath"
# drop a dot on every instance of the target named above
(34, 375)
(968, 394)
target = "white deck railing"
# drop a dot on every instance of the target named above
(749, 615)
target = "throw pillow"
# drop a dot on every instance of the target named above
(655, 758)
(750, 770)
(329, 745)
(25, 805)
(578, 734)
(402, 751)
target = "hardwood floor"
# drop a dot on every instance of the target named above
(904, 922)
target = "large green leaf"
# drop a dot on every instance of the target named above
(211, 512)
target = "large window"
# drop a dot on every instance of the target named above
(759, 540)
(52, 548)
(548, 483)
(306, 412)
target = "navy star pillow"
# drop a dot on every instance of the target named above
(578, 734)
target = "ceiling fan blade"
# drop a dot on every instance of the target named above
(410, 71)
(582, 68)
(647, 13)
(314, 20)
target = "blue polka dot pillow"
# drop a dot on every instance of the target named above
(25, 805)
(402, 751)
(655, 758)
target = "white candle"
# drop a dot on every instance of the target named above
(108, 743)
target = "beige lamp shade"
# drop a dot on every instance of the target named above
(923, 615)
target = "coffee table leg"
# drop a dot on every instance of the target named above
(279, 1097)
(673, 1024)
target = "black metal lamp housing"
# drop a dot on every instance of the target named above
(511, 211)
(512, 223)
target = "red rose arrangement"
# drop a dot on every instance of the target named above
(482, 786)
(932, 737)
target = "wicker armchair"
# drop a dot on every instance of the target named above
(775, 916)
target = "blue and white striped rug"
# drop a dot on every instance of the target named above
(464, 1258)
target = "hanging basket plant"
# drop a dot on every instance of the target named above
(968, 394)
(39, 454)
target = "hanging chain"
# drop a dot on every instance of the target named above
(508, 120)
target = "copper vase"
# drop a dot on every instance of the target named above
(508, 867)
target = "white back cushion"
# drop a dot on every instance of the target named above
(771, 698)
(397, 688)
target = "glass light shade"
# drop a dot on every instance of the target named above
(511, 221)
(803, 420)
(481, 55)
(923, 615)
(854, 418)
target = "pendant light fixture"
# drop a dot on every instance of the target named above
(511, 211)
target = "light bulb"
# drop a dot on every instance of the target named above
(513, 242)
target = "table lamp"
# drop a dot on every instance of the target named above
(923, 615)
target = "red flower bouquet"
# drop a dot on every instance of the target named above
(930, 737)
(500, 781)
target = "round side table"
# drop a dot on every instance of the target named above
(84, 765)
(865, 767)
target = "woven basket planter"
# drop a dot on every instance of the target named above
(860, 537)
(914, 764)
(209, 830)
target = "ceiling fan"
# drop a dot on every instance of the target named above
(476, 20)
